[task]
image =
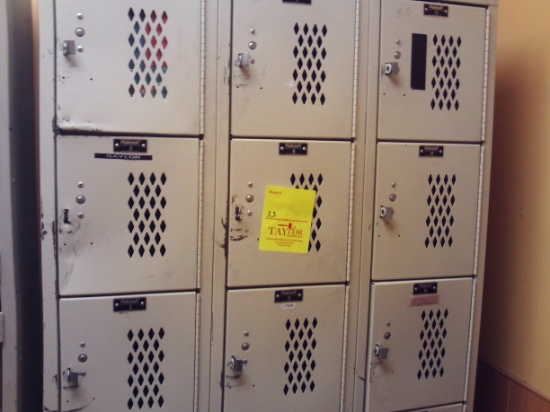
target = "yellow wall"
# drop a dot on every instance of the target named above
(516, 313)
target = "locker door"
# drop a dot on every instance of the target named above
(129, 66)
(117, 359)
(433, 86)
(257, 164)
(284, 349)
(127, 220)
(426, 205)
(420, 332)
(293, 68)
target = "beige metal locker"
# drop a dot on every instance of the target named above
(321, 166)
(433, 71)
(129, 66)
(128, 212)
(284, 349)
(293, 64)
(426, 204)
(128, 353)
(418, 344)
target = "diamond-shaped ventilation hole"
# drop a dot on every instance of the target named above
(146, 226)
(150, 49)
(309, 42)
(432, 337)
(146, 378)
(300, 347)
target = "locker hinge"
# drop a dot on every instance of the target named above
(1, 327)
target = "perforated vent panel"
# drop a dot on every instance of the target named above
(446, 63)
(147, 225)
(145, 359)
(148, 44)
(432, 338)
(311, 182)
(440, 217)
(300, 348)
(310, 54)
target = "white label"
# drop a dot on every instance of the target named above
(288, 305)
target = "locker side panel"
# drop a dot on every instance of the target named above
(296, 71)
(127, 221)
(131, 67)
(257, 164)
(129, 360)
(425, 332)
(436, 91)
(426, 210)
(293, 350)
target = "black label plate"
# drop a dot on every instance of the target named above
(130, 145)
(437, 10)
(298, 1)
(289, 295)
(298, 149)
(430, 151)
(129, 304)
(427, 288)
(122, 156)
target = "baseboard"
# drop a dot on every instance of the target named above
(499, 391)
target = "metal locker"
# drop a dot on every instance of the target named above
(293, 65)
(322, 166)
(419, 333)
(284, 349)
(129, 66)
(426, 201)
(128, 353)
(128, 211)
(432, 79)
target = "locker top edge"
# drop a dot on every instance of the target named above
(468, 2)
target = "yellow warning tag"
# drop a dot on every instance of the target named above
(286, 220)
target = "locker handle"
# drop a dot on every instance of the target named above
(73, 378)
(380, 352)
(386, 213)
(243, 59)
(69, 48)
(237, 366)
(238, 214)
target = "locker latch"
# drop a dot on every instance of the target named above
(238, 214)
(391, 69)
(386, 213)
(69, 47)
(380, 352)
(73, 378)
(243, 59)
(236, 365)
